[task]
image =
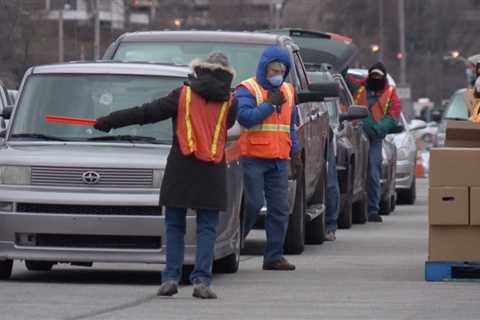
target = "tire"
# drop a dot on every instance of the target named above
(6, 269)
(408, 196)
(186, 271)
(295, 238)
(360, 210)
(230, 263)
(345, 218)
(385, 206)
(315, 230)
(393, 202)
(33, 265)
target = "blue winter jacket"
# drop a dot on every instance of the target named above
(249, 114)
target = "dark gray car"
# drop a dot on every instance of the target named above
(307, 191)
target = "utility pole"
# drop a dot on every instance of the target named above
(60, 36)
(380, 30)
(96, 30)
(403, 57)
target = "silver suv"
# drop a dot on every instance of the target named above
(71, 194)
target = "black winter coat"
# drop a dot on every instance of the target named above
(187, 182)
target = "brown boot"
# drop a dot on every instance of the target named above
(279, 265)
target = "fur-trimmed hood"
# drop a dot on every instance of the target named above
(203, 64)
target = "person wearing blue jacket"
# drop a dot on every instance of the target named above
(264, 102)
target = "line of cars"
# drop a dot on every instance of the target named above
(70, 194)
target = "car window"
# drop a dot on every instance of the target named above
(89, 96)
(300, 70)
(457, 108)
(333, 113)
(243, 57)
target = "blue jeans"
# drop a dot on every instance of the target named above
(374, 176)
(175, 221)
(332, 194)
(267, 180)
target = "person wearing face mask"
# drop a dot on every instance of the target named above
(472, 100)
(267, 114)
(383, 104)
(195, 175)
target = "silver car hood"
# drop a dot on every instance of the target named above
(98, 155)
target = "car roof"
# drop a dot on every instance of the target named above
(364, 73)
(120, 68)
(203, 36)
(319, 48)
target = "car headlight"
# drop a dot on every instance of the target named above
(402, 153)
(15, 175)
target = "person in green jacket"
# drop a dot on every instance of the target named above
(375, 93)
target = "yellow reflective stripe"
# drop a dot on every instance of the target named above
(188, 97)
(218, 127)
(288, 89)
(258, 91)
(360, 91)
(270, 128)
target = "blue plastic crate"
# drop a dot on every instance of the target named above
(452, 271)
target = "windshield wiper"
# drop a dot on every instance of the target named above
(130, 138)
(37, 136)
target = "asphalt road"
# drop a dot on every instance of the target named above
(373, 271)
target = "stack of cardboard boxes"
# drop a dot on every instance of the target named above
(454, 195)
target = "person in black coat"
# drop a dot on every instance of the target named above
(187, 181)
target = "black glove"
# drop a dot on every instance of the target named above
(276, 98)
(103, 124)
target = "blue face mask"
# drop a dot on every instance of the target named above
(276, 81)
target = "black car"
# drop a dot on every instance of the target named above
(351, 146)
(307, 190)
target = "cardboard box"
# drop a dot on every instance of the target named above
(454, 243)
(475, 206)
(455, 167)
(448, 206)
(462, 134)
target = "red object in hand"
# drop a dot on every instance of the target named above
(70, 120)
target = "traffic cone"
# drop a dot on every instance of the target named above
(419, 168)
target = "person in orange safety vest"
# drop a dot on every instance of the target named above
(195, 175)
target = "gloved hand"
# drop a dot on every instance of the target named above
(275, 98)
(103, 124)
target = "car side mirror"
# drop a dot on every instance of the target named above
(416, 125)
(7, 112)
(354, 113)
(398, 129)
(319, 92)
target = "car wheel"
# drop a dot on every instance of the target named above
(186, 272)
(33, 265)
(230, 263)
(408, 196)
(295, 238)
(360, 210)
(6, 269)
(345, 218)
(385, 206)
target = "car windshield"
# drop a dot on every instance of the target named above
(243, 57)
(457, 108)
(88, 96)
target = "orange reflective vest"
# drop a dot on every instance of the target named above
(381, 107)
(202, 126)
(269, 139)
